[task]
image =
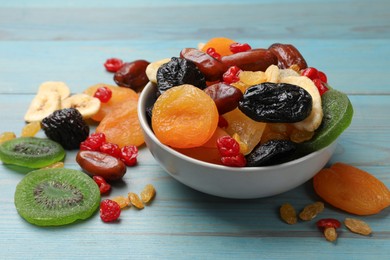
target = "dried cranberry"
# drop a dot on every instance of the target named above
(239, 47)
(328, 223)
(104, 187)
(228, 146)
(113, 64)
(320, 86)
(310, 72)
(109, 210)
(231, 75)
(129, 155)
(93, 142)
(211, 51)
(234, 161)
(111, 149)
(322, 76)
(104, 94)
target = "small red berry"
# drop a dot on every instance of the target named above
(234, 161)
(322, 76)
(211, 51)
(320, 86)
(310, 72)
(239, 47)
(129, 155)
(111, 149)
(228, 146)
(104, 187)
(231, 75)
(104, 94)
(328, 223)
(93, 142)
(109, 210)
(113, 64)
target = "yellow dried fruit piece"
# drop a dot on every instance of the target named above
(7, 136)
(311, 211)
(299, 136)
(148, 193)
(55, 165)
(122, 201)
(358, 226)
(330, 234)
(135, 200)
(249, 78)
(31, 129)
(243, 146)
(288, 213)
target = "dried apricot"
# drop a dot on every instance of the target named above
(221, 45)
(121, 125)
(119, 95)
(184, 117)
(351, 189)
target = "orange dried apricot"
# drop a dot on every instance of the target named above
(184, 117)
(207, 152)
(351, 189)
(119, 95)
(121, 125)
(220, 44)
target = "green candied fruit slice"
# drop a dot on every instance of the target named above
(338, 113)
(31, 152)
(53, 197)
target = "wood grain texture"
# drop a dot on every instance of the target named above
(69, 41)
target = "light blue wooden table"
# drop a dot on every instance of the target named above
(68, 41)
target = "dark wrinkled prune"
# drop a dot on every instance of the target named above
(67, 127)
(132, 75)
(177, 72)
(226, 97)
(276, 103)
(271, 152)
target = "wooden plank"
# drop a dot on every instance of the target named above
(80, 64)
(350, 20)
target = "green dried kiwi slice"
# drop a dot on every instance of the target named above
(338, 113)
(31, 152)
(54, 197)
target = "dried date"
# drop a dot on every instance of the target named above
(226, 97)
(132, 75)
(276, 103)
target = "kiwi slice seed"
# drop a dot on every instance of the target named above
(53, 197)
(31, 152)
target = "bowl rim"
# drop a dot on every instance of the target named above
(239, 170)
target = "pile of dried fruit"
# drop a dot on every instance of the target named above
(274, 105)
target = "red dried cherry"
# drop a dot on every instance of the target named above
(212, 52)
(234, 161)
(104, 94)
(239, 47)
(328, 223)
(129, 155)
(104, 187)
(322, 76)
(109, 210)
(320, 86)
(93, 142)
(111, 149)
(231, 75)
(228, 146)
(113, 64)
(310, 72)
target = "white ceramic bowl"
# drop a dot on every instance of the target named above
(229, 182)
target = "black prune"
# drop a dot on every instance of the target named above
(67, 127)
(276, 103)
(177, 72)
(271, 152)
